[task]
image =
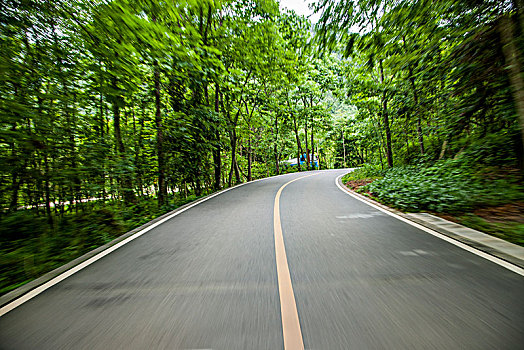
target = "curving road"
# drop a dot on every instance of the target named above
(209, 278)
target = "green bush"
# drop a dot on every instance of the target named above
(287, 169)
(22, 225)
(447, 186)
(259, 170)
(492, 149)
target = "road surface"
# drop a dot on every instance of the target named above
(208, 279)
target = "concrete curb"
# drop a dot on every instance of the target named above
(491, 245)
(22, 290)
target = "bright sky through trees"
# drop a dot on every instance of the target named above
(301, 7)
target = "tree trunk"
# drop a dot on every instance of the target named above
(417, 111)
(380, 143)
(125, 180)
(47, 191)
(71, 121)
(139, 146)
(344, 150)
(389, 153)
(162, 185)
(234, 165)
(231, 124)
(512, 57)
(307, 148)
(312, 149)
(318, 157)
(217, 162)
(275, 147)
(102, 139)
(299, 146)
(385, 118)
(443, 150)
(16, 177)
(249, 154)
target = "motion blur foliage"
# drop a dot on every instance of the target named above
(30, 247)
(502, 148)
(438, 93)
(110, 107)
(429, 80)
(88, 230)
(22, 225)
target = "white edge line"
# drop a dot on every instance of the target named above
(34, 292)
(459, 244)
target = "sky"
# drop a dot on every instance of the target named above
(300, 7)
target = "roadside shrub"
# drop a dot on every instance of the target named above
(85, 230)
(447, 186)
(289, 169)
(259, 170)
(21, 225)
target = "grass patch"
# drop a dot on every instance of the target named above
(510, 231)
(366, 172)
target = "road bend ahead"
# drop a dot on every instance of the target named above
(343, 276)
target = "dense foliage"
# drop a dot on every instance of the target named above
(439, 104)
(29, 247)
(128, 98)
(429, 80)
(471, 194)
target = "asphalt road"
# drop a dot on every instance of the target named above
(207, 279)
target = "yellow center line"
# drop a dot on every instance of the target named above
(288, 307)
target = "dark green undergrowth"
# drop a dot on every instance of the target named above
(446, 186)
(30, 246)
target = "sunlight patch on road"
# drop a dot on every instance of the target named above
(360, 215)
